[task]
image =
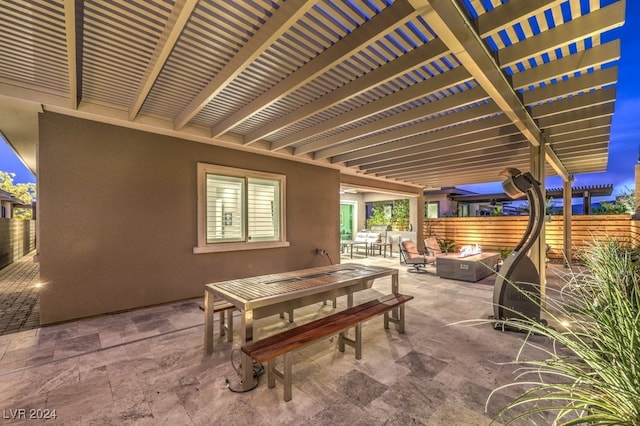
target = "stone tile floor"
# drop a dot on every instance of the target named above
(147, 367)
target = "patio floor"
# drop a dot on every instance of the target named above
(148, 366)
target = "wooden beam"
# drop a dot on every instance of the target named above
(281, 20)
(351, 150)
(590, 99)
(377, 26)
(568, 65)
(73, 18)
(511, 13)
(451, 25)
(416, 141)
(597, 22)
(428, 52)
(176, 21)
(446, 144)
(417, 91)
(572, 86)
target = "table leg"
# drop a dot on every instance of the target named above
(394, 284)
(208, 322)
(246, 335)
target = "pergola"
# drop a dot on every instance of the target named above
(429, 93)
(584, 192)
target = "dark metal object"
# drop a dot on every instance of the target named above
(516, 294)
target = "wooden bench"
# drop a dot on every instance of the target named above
(268, 349)
(222, 306)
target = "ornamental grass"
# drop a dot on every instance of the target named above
(589, 372)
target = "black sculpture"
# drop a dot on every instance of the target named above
(516, 294)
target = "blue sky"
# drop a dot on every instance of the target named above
(9, 162)
(624, 145)
(624, 149)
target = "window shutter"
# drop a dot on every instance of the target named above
(224, 208)
(263, 209)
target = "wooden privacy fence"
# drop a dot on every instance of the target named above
(497, 232)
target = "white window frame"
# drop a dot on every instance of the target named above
(203, 247)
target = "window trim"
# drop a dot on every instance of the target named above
(203, 246)
(426, 209)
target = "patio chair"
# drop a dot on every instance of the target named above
(431, 246)
(409, 256)
(363, 239)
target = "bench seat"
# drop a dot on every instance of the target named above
(226, 327)
(283, 343)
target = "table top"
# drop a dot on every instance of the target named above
(472, 258)
(253, 292)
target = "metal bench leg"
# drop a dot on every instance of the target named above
(271, 376)
(289, 313)
(325, 303)
(221, 325)
(356, 342)
(396, 316)
(230, 325)
(287, 376)
(359, 341)
(283, 376)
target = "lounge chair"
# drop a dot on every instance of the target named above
(431, 246)
(409, 256)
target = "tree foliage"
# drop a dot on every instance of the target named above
(25, 192)
(624, 204)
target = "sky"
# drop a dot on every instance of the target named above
(624, 147)
(9, 162)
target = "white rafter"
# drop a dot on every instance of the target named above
(280, 22)
(70, 18)
(180, 14)
(451, 25)
(380, 24)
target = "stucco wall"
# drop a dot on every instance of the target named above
(118, 218)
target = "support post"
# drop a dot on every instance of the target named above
(567, 196)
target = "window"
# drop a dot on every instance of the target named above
(463, 210)
(432, 209)
(239, 209)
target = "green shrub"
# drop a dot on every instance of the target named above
(591, 371)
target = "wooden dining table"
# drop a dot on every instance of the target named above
(262, 296)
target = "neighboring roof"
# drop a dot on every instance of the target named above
(6, 196)
(431, 93)
(556, 193)
(578, 191)
(449, 190)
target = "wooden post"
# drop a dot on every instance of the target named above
(566, 218)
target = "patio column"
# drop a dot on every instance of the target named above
(416, 216)
(567, 215)
(538, 251)
(637, 176)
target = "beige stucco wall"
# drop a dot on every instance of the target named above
(118, 218)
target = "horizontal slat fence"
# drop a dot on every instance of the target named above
(498, 232)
